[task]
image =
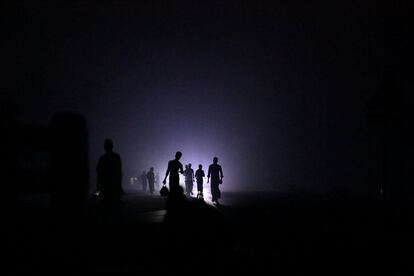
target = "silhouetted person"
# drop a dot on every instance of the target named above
(144, 181)
(151, 180)
(216, 174)
(185, 178)
(157, 180)
(189, 179)
(199, 175)
(109, 174)
(174, 167)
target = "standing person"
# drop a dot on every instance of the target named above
(189, 179)
(157, 181)
(216, 173)
(151, 180)
(199, 175)
(109, 174)
(185, 179)
(191, 172)
(174, 167)
(144, 181)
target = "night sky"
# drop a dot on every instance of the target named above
(276, 90)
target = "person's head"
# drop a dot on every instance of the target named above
(215, 160)
(152, 169)
(186, 166)
(189, 165)
(200, 166)
(178, 155)
(108, 145)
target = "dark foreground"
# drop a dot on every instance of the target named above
(250, 233)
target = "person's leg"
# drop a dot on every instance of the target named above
(200, 188)
(188, 188)
(218, 191)
(215, 191)
(173, 195)
(213, 194)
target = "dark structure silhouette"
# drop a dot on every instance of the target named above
(8, 160)
(199, 175)
(151, 180)
(68, 160)
(391, 125)
(173, 170)
(216, 174)
(109, 174)
(52, 160)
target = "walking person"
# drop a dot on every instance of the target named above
(109, 183)
(144, 181)
(189, 179)
(109, 174)
(173, 170)
(216, 173)
(199, 175)
(157, 180)
(151, 180)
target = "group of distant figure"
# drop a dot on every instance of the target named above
(215, 172)
(109, 177)
(149, 180)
